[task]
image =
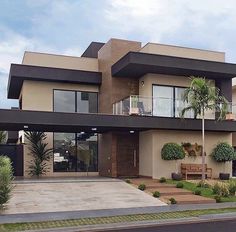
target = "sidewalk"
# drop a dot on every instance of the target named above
(52, 216)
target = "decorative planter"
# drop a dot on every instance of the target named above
(176, 176)
(134, 111)
(224, 176)
(230, 116)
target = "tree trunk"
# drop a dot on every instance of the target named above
(203, 146)
(176, 167)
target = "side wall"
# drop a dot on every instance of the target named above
(39, 96)
(150, 154)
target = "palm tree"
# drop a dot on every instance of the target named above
(3, 137)
(200, 97)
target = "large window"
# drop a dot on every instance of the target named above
(75, 101)
(75, 152)
(168, 101)
(64, 101)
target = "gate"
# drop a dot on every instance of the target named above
(15, 153)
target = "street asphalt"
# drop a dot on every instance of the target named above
(210, 226)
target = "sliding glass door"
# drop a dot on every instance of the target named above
(163, 101)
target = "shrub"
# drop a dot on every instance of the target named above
(203, 184)
(232, 188)
(223, 152)
(218, 199)
(179, 185)
(197, 192)
(6, 178)
(156, 194)
(221, 189)
(142, 187)
(172, 201)
(128, 181)
(172, 151)
(39, 152)
(162, 180)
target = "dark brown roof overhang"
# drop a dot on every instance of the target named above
(20, 72)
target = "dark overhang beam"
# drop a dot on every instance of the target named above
(137, 64)
(75, 122)
(19, 73)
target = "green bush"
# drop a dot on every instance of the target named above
(197, 192)
(179, 185)
(162, 180)
(232, 188)
(172, 201)
(6, 178)
(142, 187)
(223, 152)
(172, 151)
(156, 194)
(218, 199)
(203, 184)
(128, 181)
(221, 189)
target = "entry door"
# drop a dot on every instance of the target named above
(127, 155)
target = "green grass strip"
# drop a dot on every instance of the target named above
(13, 227)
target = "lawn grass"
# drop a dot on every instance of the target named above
(13, 227)
(205, 192)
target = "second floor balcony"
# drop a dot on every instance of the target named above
(162, 107)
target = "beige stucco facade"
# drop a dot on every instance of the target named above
(60, 61)
(193, 53)
(39, 96)
(151, 143)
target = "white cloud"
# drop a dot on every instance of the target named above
(205, 23)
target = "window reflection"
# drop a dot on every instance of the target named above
(75, 152)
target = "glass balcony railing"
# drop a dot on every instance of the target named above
(161, 107)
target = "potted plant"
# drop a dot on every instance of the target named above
(223, 153)
(173, 151)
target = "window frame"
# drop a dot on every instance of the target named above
(174, 97)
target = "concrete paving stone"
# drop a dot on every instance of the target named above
(72, 195)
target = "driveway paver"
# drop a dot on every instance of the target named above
(72, 195)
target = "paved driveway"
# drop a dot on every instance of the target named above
(55, 195)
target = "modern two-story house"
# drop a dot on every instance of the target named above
(110, 111)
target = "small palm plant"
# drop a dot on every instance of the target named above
(38, 166)
(200, 97)
(3, 137)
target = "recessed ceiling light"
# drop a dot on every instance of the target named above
(94, 129)
(26, 127)
(81, 132)
(131, 132)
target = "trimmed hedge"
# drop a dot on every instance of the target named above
(172, 151)
(6, 178)
(223, 152)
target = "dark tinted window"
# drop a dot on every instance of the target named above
(64, 101)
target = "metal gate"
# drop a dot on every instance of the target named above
(15, 153)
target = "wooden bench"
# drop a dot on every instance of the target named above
(195, 169)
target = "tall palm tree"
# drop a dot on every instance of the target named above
(200, 97)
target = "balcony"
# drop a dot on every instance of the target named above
(162, 107)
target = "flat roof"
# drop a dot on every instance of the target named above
(19, 73)
(137, 64)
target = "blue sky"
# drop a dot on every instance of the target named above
(68, 26)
